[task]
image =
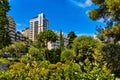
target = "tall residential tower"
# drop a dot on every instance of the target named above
(37, 25)
(11, 27)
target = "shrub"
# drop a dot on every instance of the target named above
(67, 55)
(35, 53)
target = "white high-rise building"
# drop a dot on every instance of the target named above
(54, 45)
(37, 25)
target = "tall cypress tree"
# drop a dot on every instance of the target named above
(4, 8)
(71, 36)
(61, 40)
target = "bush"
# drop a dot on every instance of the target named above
(87, 47)
(35, 53)
(16, 49)
(95, 71)
(67, 55)
(54, 55)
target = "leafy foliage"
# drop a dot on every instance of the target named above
(109, 11)
(46, 36)
(17, 48)
(114, 33)
(67, 55)
(87, 47)
(35, 53)
(55, 55)
(4, 38)
(71, 36)
(85, 60)
(44, 70)
(61, 40)
(111, 56)
(94, 71)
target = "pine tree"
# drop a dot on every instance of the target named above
(45, 37)
(4, 8)
(109, 11)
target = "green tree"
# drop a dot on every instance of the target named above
(4, 8)
(106, 9)
(71, 37)
(45, 37)
(5, 75)
(87, 47)
(30, 42)
(43, 70)
(114, 32)
(61, 40)
(109, 11)
(17, 70)
(111, 56)
(67, 55)
(95, 71)
(19, 48)
(55, 55)
(35, 53)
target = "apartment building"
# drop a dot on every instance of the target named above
(11, 27)
(26, 32)
(20, 37)
(37, 25)
(56, 44)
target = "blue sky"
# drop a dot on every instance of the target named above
(68, 15)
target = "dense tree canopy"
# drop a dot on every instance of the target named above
(4, 8)
(86, 59)
(87, 47)
(46, 36)
(109, 11)
(35, 53)
(67, 55)
(111, 56)
(71, 37)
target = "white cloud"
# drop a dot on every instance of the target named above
(20, 27)
(18, 24)
(100, 20)
(86, 34)
(87, 3)
(87, 12)
(81, 34)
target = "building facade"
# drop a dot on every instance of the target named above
(20, 37)
(37, 25)
(56, 44)
(26, 32)
(11, 27)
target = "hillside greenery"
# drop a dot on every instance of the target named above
(84, 58)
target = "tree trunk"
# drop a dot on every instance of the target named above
(47, 56)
